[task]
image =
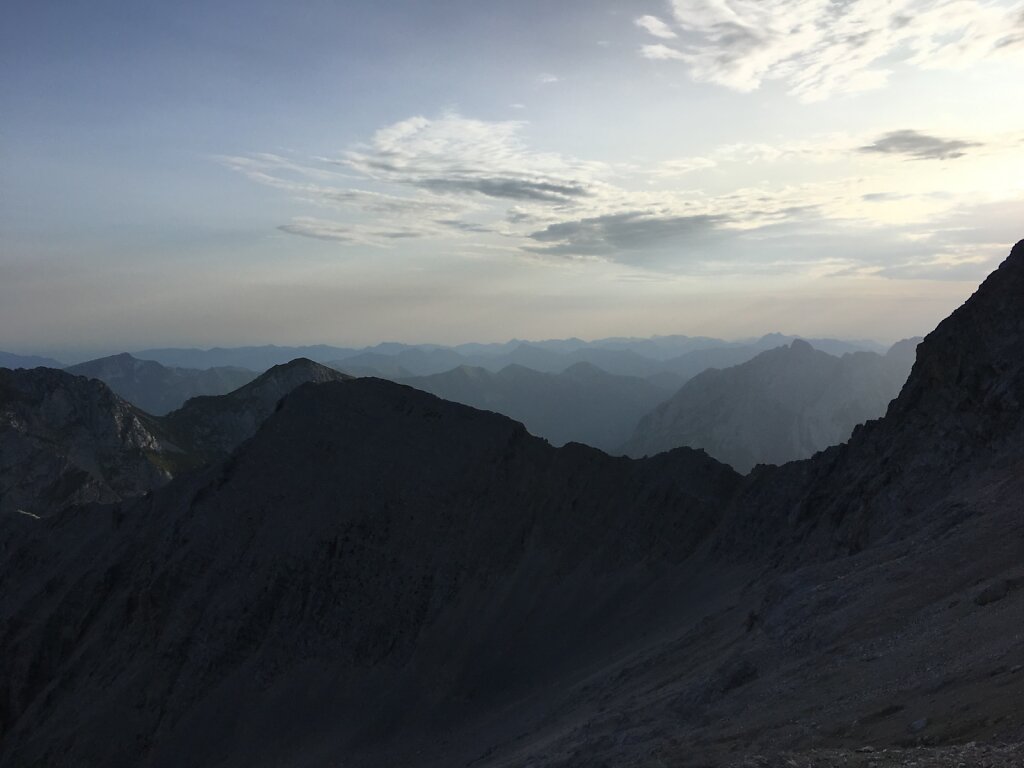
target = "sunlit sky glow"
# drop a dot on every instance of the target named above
(321, 172)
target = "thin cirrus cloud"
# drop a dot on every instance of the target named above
(347, 233)
(821, 47)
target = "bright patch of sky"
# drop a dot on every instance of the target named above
(230, 173)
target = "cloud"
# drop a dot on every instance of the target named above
(546, 78)
(353, 234)
(882, 197)
(919, 146)
(663, 52)
(510, 189)
(454, 154)
(614, 234)
(821, 47)
(476, 187)
(655, 26)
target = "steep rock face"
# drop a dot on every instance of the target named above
(211, 427)
(957, 418)
(68, 440)
(157, 389)
(785, 404)
(374, 561)
(582, 404)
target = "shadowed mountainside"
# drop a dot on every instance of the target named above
(382, 578)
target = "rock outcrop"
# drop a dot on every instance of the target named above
(68, 440)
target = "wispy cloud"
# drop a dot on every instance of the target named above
(353, 234)
(482, 187)
(655, 26)
(821, 47)
(919, 146)
(454, 154)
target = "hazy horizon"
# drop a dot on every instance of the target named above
(75, 355)
(196, 175)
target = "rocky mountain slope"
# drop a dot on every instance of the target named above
(379, 577)
(582, 404)
(67, 439)
(157, 389)
(785, 404)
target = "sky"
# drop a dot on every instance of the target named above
(229, 173)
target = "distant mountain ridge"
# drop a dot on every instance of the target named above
(581, 404)
(11, 360)
(158, 389)
(619, 355)
(784, 404)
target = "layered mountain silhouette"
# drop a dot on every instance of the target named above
(671, 359)
(378, 577)
(693, 362)
(212, 426)
(785, 404)
(157, 389)
(582, 404)
(11, 360)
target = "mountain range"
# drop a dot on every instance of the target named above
(582, 404)
(623, 356)
(11, 360)
(785, 404)
(158, 389)
(378, 577)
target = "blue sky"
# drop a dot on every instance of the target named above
(231, 173)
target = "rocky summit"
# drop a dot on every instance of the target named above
(377, 577)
